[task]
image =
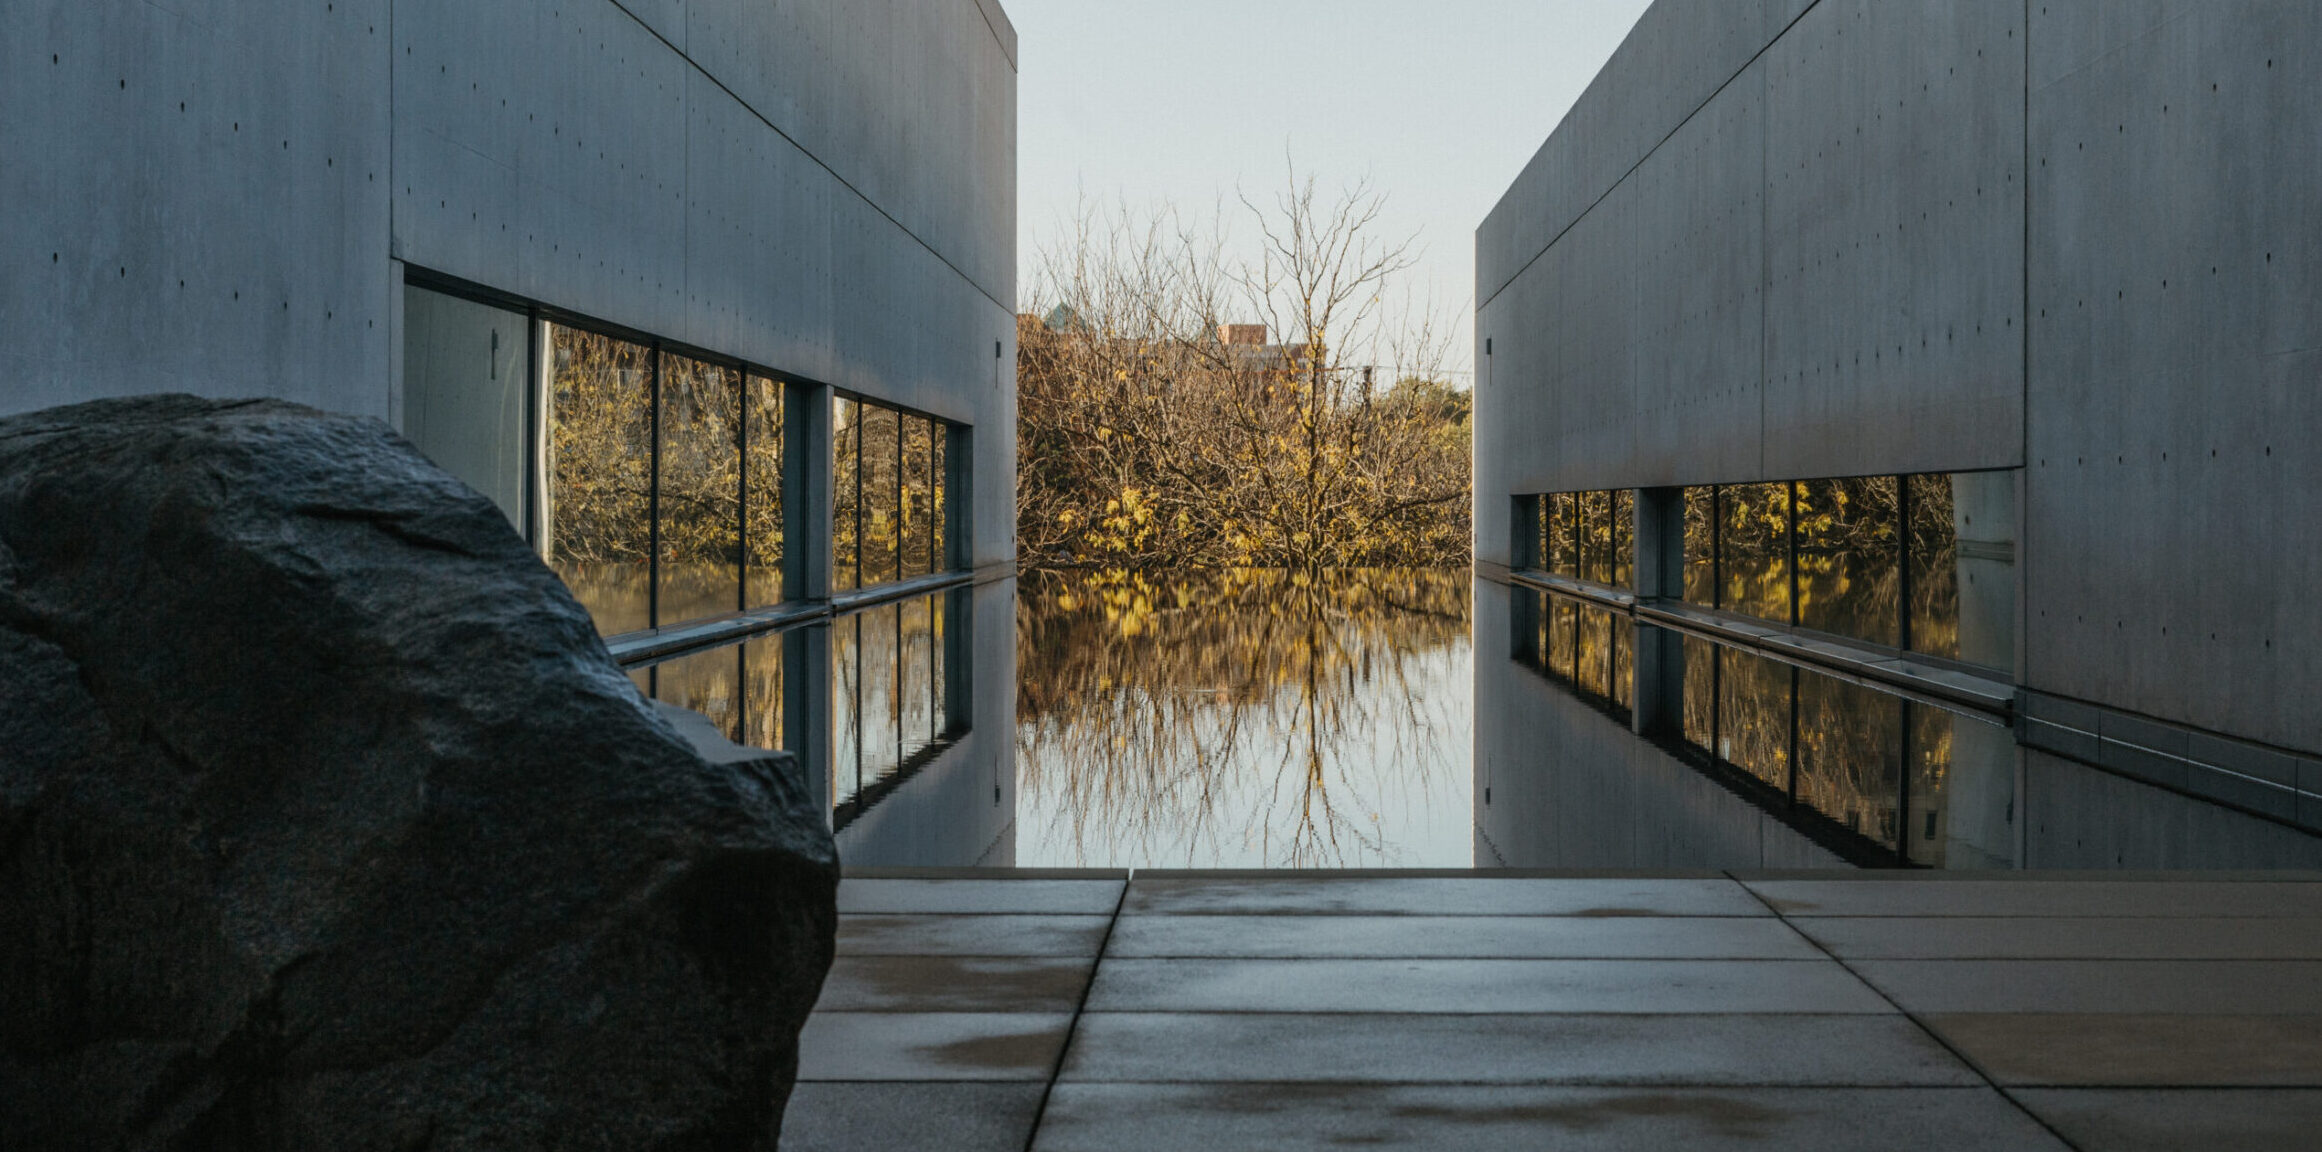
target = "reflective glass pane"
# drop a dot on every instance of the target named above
(846, 700)
(1563, 534)
(881, 518)
(918, 503)
(1963, 567)
(846, 448)
(1539, 526)
(915, 677)
(707, 682)
(940, 527)
(1596, 537)
(1850, 574)
(1963, 791)
(762, 680)
(1754, 550)
(1700, 546)
(1624, 548)
(1700, 693)
(1753, 716)
(762, 499)
(466, 386)
(598, 512)
(882, 696)
(701, 490)
(1850, 755)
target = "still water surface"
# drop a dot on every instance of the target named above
(1249, 719)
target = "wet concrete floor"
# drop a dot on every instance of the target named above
(1058, 1011)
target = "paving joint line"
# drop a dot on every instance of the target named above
(1072, 1030)
(1969, 1062)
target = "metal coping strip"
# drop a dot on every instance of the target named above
(653, 646)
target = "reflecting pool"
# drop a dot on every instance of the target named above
(1249, 719)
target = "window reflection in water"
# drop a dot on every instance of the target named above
(1753, 716)
(1850, 753)
(888, 699)
(1244, 719)
(739, 687)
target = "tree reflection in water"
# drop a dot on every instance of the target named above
(1244, 719)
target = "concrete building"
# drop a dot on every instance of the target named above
(715, 298)
(1896, 441)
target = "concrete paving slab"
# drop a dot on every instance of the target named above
(829, 1117)
(2198, 1120)
(955, 984)
(996, 935)
(1480, 986)
(2139, 898)
(1573, 1050)
(933, 1046)
(986, 897)
(1476, 896)
(2201, 987)
(1510, 937)
(1208, 1117)
(2119, 1050)
(2029, 938)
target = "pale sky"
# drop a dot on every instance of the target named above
(1440, 103)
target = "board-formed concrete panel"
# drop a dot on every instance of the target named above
(195, 199)
(2176, 363)
(1894, 217)
(1680, 54)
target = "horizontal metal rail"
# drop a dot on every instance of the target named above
(656, 645)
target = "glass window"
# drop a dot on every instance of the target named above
(1963, 792)
(1596, 537)
(1701, 546)
(1754, 550)
(939, 515)
(701, 491)
(1753, 716)
(709, 683)
(762, 497)
(882, 461)
(939, 682)
(918, 503)
(597, 526)
(1963, 560)
(1624, 554)
(1850, 755)
(1563, 551)
(1850, 558)
(466, 391)
(846, 493)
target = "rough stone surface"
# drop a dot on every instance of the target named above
(326, 821)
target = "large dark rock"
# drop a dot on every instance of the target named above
(327, 822)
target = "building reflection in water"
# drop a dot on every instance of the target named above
(1244, 720)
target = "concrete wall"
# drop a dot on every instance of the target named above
(2078, 237)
